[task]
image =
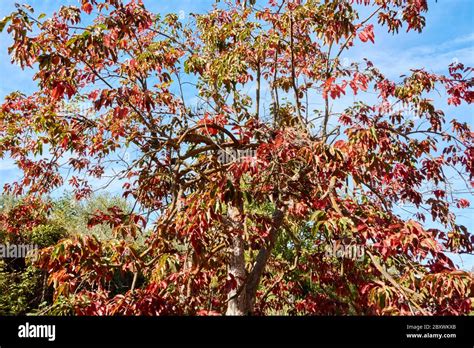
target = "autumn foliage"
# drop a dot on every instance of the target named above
(248, 236)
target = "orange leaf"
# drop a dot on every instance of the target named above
(87, 7)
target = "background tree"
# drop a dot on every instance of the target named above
(248, 236)
(24, 288)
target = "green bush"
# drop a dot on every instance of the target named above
(47, 235)
(23, 287)
(21, 291)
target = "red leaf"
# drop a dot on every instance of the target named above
(58, 91)
(463, 203)
(367, 34)
(87, 7)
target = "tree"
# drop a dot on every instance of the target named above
(249, 235)
(75, 216)
(24, 287)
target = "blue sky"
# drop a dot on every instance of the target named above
(448, 37)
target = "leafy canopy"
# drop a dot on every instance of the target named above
(249, 235)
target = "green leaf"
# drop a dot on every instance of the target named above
(29, 8)
(317, 216)
(40, 149)
(373, 132)
(4, 22)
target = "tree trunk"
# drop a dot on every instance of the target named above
(242, 298)
(237, 301)
(253, 279)
(237, 304)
